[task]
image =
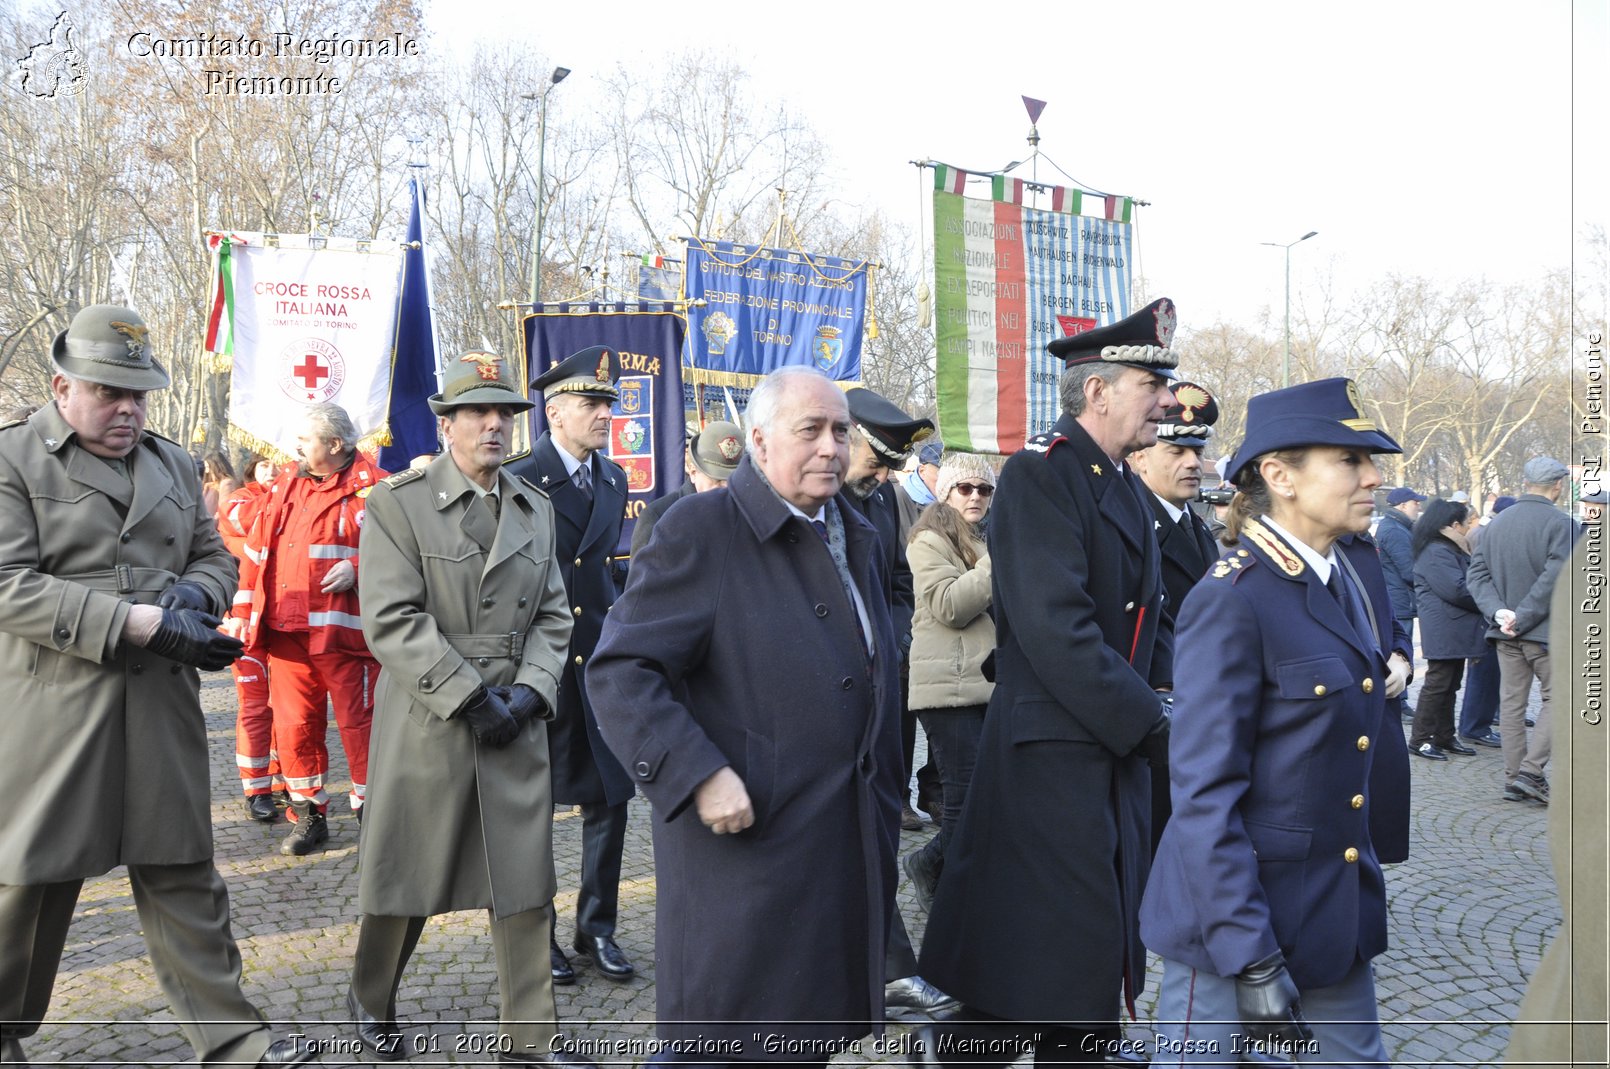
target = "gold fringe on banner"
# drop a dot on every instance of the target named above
(220, 363)
(247, 440)
(700, 376)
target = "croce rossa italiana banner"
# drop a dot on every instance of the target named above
(1008, 279)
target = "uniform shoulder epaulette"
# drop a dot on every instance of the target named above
(13, 423)
(1277, 551)
(1233, 564)
(402, 478)
(1044, 443)
(529, 485)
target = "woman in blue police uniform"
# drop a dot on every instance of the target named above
(1290, 779)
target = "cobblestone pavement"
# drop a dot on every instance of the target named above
(1471, 913)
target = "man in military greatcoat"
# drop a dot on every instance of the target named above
(588, 491)
(112, 579)
(882, 437)
(464, 608)
(1035, 919)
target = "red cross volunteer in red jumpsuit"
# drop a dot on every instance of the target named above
(298, 600)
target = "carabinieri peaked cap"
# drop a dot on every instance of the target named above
(479, 378)
(1189, 420)
(1325, 412)
(592, 372)
(110, 345)
(891, 433)
(1141, 340)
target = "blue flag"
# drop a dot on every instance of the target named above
(413, 353)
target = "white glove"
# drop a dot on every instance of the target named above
(1397, 675)
(1505, 619)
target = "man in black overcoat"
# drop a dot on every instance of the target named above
(1172, 472)
(1034, 924)
(752, 688)
(588, 491)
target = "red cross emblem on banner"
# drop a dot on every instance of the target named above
(313, 371)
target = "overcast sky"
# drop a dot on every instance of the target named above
(1430, 137)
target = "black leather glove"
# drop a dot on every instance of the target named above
(1154, 747)
(1268, 1002)
(525, 704)
(188, 637)
(185, 595)
(490, 719)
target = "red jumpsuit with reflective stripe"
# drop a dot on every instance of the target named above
(314, 639)
(254, 722)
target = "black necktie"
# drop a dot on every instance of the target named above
(584, 479)
(1342, 590)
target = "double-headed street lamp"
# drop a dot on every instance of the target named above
(1285, 364)
(559, 75)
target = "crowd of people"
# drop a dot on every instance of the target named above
(1149, 727)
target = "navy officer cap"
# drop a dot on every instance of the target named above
(590, 373)
(1189, 420)
(891, 433)
(1141, 340)
(1325, 412)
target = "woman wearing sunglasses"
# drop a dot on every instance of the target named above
(951, 634)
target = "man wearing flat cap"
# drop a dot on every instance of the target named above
(464, 608)
(1172, 472)
(588, 491)
(1512, 576)
(1394, 536)
(712, 456)
(112, 579)
(1034, 922)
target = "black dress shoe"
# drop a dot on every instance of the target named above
(1430, 751)
(287, 1052)
(919, 866)
(605, 954)
(559, 964)
(916, 999)
(261, 807)
(382, 1041)
(1489, 739)
(1459, 748)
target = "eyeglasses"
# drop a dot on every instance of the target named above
(969, 489)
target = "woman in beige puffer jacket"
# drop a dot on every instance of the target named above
(951, 635)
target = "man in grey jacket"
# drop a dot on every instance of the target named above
(1511, 577)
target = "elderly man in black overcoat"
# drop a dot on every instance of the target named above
(751, 689)
(1035, 918)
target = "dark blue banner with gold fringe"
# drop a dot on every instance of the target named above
(768, 308)
(647, 427)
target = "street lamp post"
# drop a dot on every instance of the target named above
(559, 75)
(1285, 363)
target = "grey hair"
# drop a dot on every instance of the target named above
(1071, 387)
(767, 398)
(331, 421)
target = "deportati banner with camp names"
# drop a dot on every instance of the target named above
(306, 324)
(1008, 279)
(646, 426)
(769, 308)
